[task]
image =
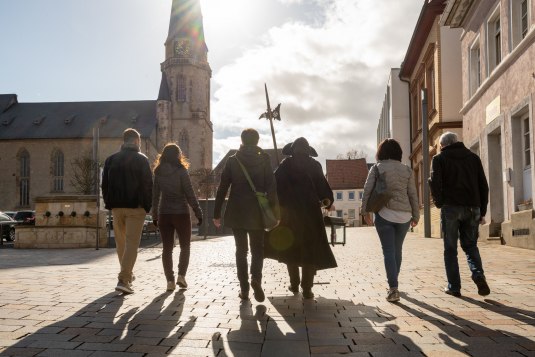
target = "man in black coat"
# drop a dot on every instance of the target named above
(242, 212)
(460, 189)
(127, 192)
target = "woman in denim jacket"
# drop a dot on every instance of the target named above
(393, 220)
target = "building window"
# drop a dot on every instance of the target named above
(339, 213)
(339, 196)
(526, 142)
(494, 41)
(361, 193)
(183, 142)
(58, 171)
(518, 21)
(351, 195)
(475, 67)
(351, 213)
(24, 173)
(181, 95)
(414, 113)
(524, 18)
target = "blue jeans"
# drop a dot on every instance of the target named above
(460, 222)
(256, 241)
(392, 236)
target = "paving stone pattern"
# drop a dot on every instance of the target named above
(63, 303)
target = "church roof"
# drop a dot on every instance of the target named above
(6, 101)
(71, 120)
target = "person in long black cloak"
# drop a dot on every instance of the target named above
(300, 240)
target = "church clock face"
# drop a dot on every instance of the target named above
(182, 48)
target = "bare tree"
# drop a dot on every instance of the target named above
(83, 174)
(203, 182)
(352, 155)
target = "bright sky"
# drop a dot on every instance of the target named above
(326, 61)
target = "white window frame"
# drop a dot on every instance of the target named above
(474, 66)
(349, 195)
(516, 19)
(339, 213)
(494, 54)
(361, 193)
(351, 213)
(526, 142)
(341, 196)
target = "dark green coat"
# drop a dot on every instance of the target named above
(242, 210)
(301, 237)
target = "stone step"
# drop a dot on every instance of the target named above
(494, 240)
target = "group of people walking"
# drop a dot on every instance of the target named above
(298, 192)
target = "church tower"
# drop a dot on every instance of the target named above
(183, 105)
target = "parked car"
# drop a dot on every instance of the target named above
(25, 217)
(8, 227)
(10, 213)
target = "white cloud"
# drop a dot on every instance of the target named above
(330, 79)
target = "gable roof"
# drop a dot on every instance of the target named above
(346, 174)
(6, 101)
(430, 10)
(71, 120)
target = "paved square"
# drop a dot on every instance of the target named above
(63, 303)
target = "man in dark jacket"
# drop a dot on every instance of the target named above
(242, 212)
(459, 188)
(127, 192)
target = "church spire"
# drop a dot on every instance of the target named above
(186, 23)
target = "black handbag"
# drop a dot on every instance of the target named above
(268, 217)
(379, 196)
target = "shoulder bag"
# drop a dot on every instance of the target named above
(268, 217)
(379, 196)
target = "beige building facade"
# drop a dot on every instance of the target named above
(498, 63)
(432, 62)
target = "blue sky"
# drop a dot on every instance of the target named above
(326, 61)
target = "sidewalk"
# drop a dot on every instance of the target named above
(62, 303)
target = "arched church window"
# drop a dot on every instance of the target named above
(183, 142)
(58, 170)
(181, 89)
(24, 178)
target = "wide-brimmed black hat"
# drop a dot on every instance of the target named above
(299, 145)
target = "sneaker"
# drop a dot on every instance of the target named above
(393, 295)
(125, 288)
(293, 289)
(452, 292)
(258, 292)
(171, 285)
(181, 281)
(482, 286)
(244, 295)
(308, 294)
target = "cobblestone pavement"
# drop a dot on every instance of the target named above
(63, 303)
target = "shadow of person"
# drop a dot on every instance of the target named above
(298, 327)
(160, 326)
(472, 337)
(503, 309)
(247, 339)
(91, 326)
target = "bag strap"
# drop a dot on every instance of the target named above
(246, 174)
